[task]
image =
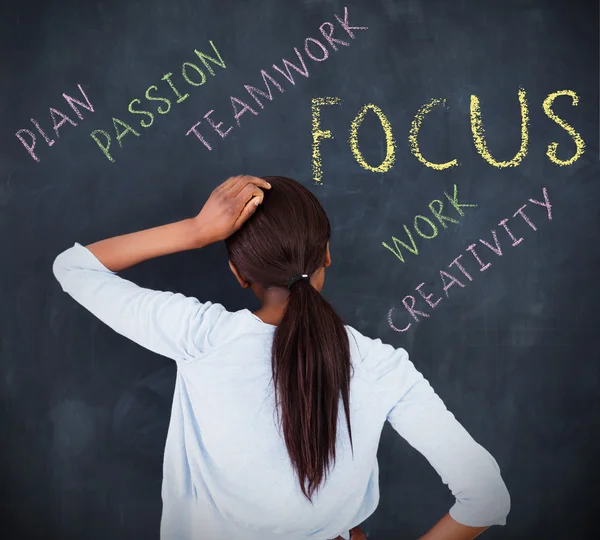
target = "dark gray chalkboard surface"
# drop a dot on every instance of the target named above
(106, 129)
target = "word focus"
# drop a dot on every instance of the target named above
(477, 129)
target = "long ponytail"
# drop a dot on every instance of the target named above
(311, 367)
(288, 234)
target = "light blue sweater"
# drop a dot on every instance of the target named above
(226, 472)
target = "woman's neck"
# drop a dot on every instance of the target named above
(274, 302)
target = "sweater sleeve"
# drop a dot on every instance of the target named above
(166, 323)
(420, 416)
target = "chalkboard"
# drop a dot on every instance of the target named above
(454, 146)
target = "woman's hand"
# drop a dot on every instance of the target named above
(357, 534)
(229, 206)
(449, 529)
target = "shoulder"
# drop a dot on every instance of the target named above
(227, 326)
(373, 352)
(389, 367)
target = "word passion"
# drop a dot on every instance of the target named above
(318, 134)
(194, 76)
(448, 280)
(191, 73)
(314, 49)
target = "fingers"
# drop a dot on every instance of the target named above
(237, 183)
(247, 211)
(223, 187)
(260, 182)
(248, 192)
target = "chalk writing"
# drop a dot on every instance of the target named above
(448, 280)
(477, 129)
(314, 49)
(480, 141)
(390, 144)
(422, 222)
(28, 138)
(192, 74)
(414, 132)
(580, 145)
(318, 134)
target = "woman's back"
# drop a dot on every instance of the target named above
(239, 462)
(275, 427)
(235, 464)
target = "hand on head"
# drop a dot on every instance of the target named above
(230, 205)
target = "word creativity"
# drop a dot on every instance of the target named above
(448, 280)
(477, 129)
(314, 49)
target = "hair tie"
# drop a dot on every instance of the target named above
(296, 279)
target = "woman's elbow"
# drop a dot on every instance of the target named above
(502, 500)
(485, 504)
(66, 273)
(495, 501)
(60, 269)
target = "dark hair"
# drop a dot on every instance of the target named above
(286, 236)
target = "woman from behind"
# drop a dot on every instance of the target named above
(277, 414)
(282, 252)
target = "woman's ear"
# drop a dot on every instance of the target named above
(327, 257)
(237, 275)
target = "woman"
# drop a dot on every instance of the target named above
(276, 414)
